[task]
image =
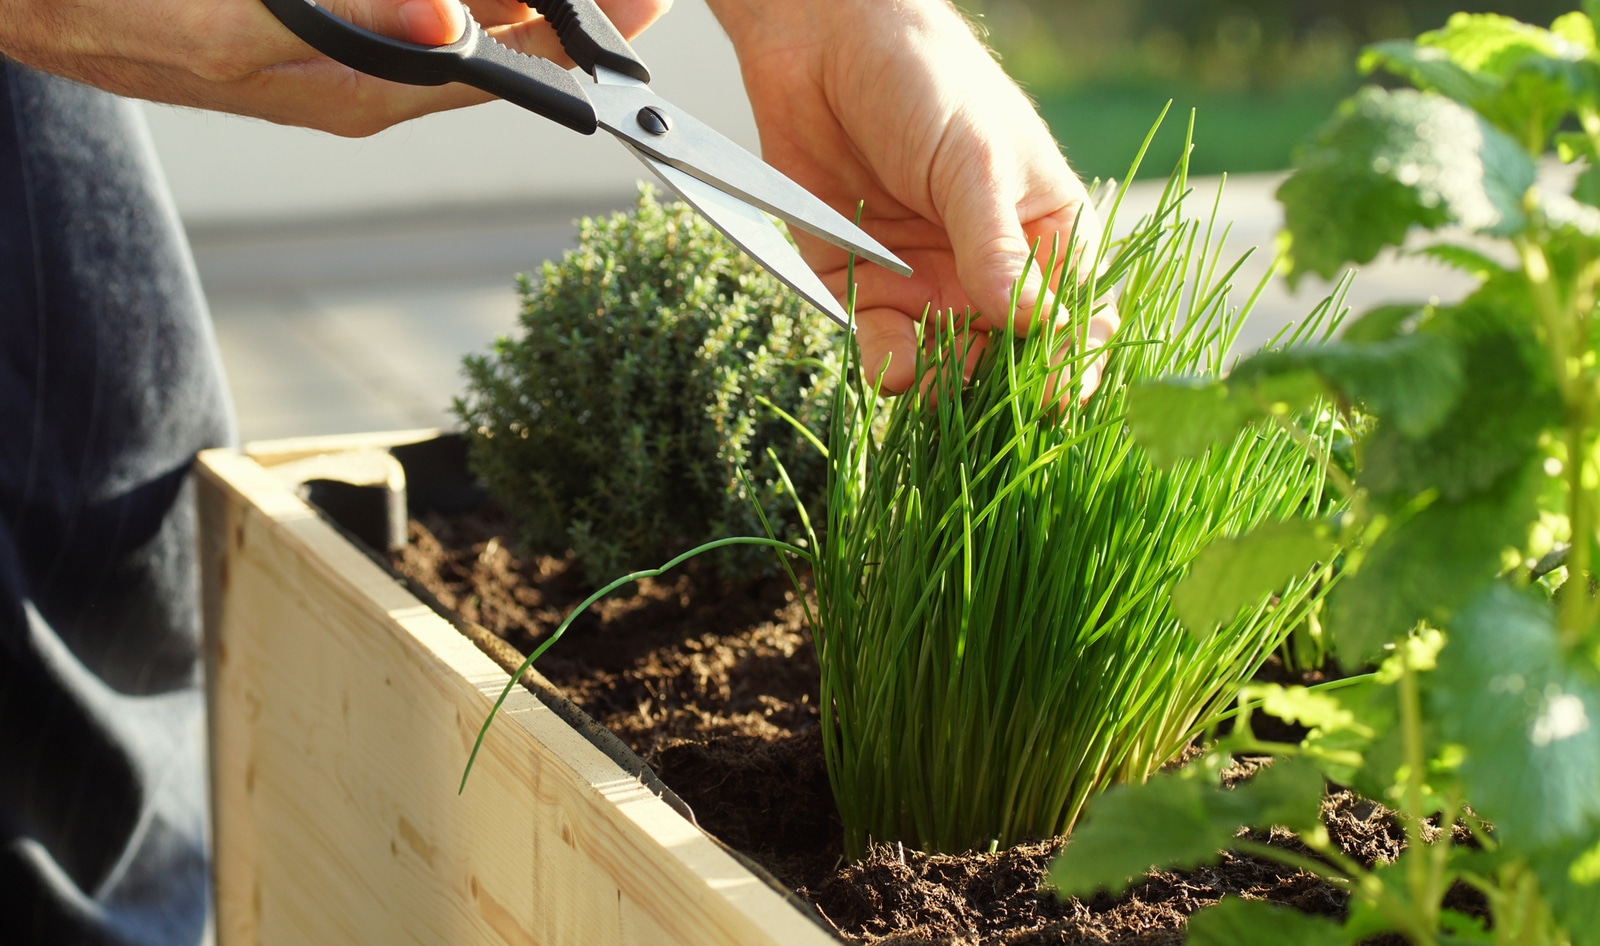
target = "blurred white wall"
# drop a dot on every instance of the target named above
(231, 171)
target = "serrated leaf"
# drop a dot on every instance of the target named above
(1428, 68)
(1426, 566)
(1179, 820)
(1463, 258)
(1491, 43)
(1577, 29)
(1381, 323)
(1230, 574)
(1527, 78)
(1353, 754)
(1181, 419)
(1527, 718)
(1303, 706)
(1495, 424)
(1390, 161)
(1235, 922)
(1412, 380)
(1461, 929)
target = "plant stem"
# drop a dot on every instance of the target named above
(1361, 883)
(589, 601)
(1417, 866)
(1439, 852)
(1562, 329)
(1269, 852)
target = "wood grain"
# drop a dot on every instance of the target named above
(342, 712)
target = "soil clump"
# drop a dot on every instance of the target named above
(714, 687)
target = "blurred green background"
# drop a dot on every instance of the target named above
(1260, 73)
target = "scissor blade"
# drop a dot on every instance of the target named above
(698, 150)
(751, 231)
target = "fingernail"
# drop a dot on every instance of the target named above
(1034, 297)
(1032, 285)
(430, 23)
(1089, 381)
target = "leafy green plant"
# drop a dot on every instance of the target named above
(1469, 538)
(618, 421)
(992, 576)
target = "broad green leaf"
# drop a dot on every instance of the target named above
(1180, 419)
(1525, 715)
(1179, 820)
(1495, 424)
(1490, 43)
(1309, 708)
(1587, 188)
(1569, 878)
(1461, 929)
(1577, 29)
(1429, 564)
(1235, 922)
(1463, 258)
(1353, 754)
(1365, 920)
(1230, 574)
(1381, 323)
(1527, 78)
(1390, 161)
(1411, 381)
(1414, 380)
(1428, 68)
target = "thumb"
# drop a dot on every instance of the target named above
(425, 22)
(991, 249)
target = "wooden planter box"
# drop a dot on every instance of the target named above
(342, 712)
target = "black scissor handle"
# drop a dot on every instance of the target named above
(590, 38)
(475, 59)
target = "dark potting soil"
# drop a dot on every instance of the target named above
(714, 687)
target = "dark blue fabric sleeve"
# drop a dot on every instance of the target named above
(109, 384)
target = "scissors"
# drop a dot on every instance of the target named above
(725, 184)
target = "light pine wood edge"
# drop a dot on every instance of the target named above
(332, 828)
(275, 452)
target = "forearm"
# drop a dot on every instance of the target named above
(234, 56)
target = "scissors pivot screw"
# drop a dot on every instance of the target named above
(651, 120)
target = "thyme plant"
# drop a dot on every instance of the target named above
(1469, 539)
(617, 421)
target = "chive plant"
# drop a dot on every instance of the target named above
(992, 582)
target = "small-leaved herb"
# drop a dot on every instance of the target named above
(639, 385)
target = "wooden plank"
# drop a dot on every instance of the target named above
(274, 452)
(342, 713)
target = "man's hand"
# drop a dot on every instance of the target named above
(898, 104)
(234, 56)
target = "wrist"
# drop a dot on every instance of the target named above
(751, 23)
